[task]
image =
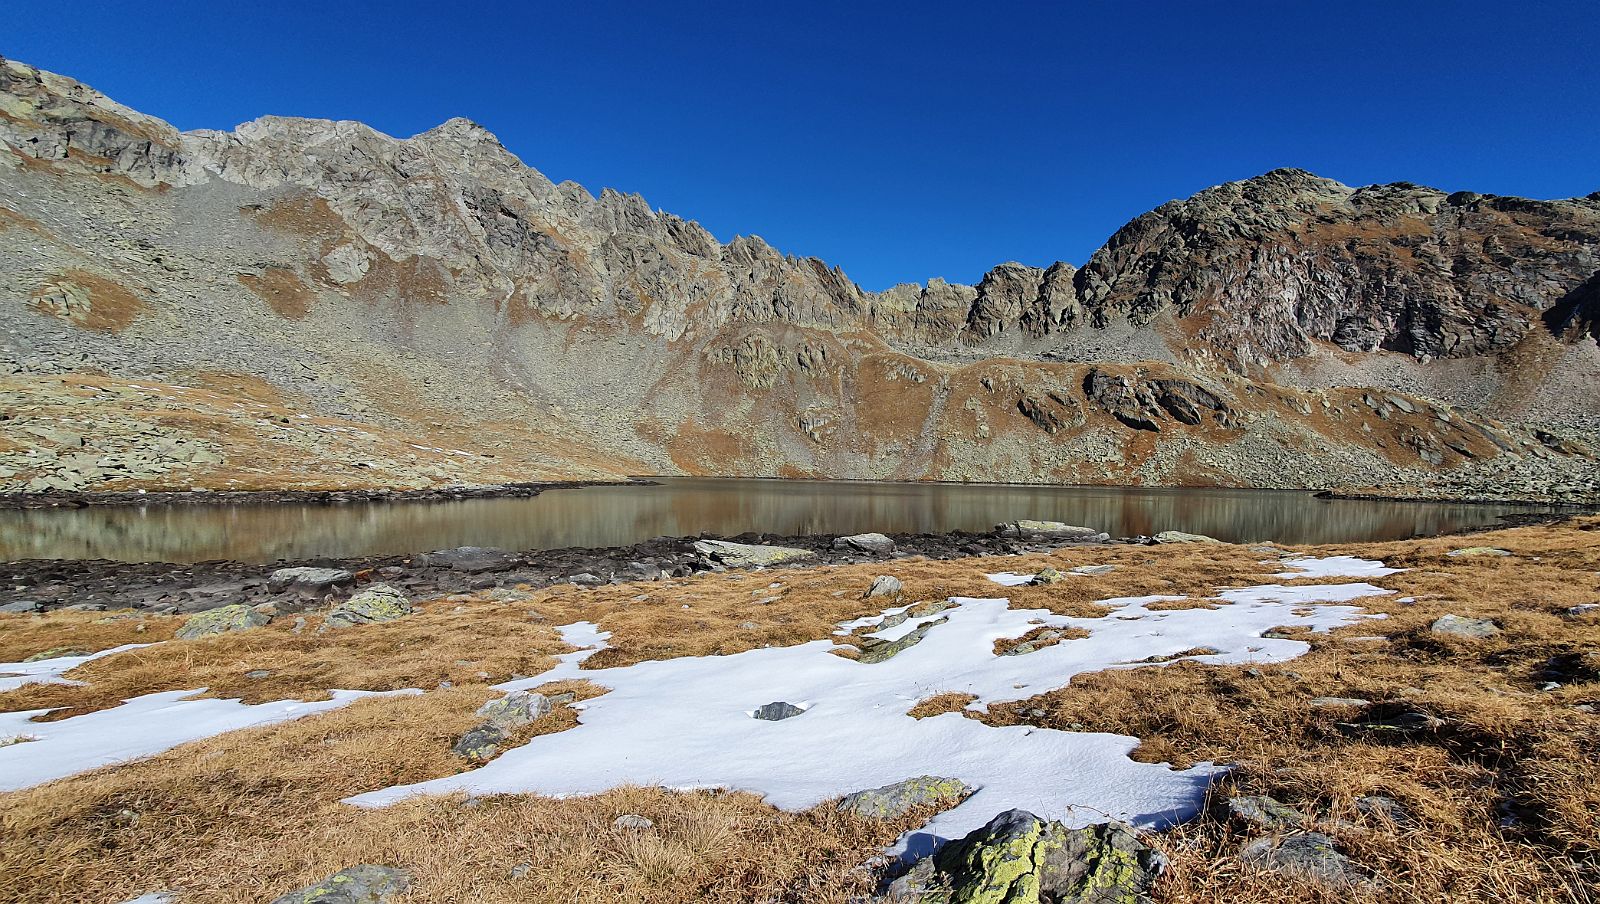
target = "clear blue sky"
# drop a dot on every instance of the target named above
(899, 141)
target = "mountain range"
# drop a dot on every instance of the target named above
(310, 304)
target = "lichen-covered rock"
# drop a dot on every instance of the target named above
(365, 884)
(883, 651)
(1019, 858)
(221, 620)
(1178, 536)
(902, 797)
(1047, 576)
(482, 743)
(1307, 855)
(515, 709)
(885, 585)
(56, 653)
(1461, 626)
(378, 603)
(742, 555)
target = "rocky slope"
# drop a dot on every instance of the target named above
(444, 313)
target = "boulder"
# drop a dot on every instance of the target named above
(743, 555)
(481, 744)
(1019, 858)
(777, 711)
(20, 606)
(1178, 536)
(365, 884)
(515, 709)
(378, 603)
(222, 620)
(470, 559)
(632, 822)
(310, 581)
(900, 798)
(884, 585)
(1047, 576)
(1027, 529)
(877, 544)
(1307, 855)
(1460, 626)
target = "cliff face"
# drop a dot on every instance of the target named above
(438, 283)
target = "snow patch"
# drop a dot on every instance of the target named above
(49, 671)
(1010, 579)
(683, 723)
(1333, 567)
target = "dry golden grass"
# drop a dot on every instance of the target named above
(90, 632)
(939, 704)
(249, 815)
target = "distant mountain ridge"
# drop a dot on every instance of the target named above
(439, 271)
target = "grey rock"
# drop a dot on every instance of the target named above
(632, 822)
(1027, 529)
(1178, 536)
(877, 544)
(470, 559)
(743, 555)
(1338, 702)
(586, 579)
(1384, 808)
(316, 581)
(1047, 576)
(20, 606)
(884, 585)
(777, 711)
(1093, 570)
(1578, 611)
(515, 709)
(1309, 855)
(899, 798)
(1460, 626)
(482, 743)
(1263, 812)
(365, 884)
(1471, 551)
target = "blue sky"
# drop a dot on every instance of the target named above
(899, 141)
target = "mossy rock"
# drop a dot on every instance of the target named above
(891, 801)
(237, 617)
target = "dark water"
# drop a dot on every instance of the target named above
(622, 515)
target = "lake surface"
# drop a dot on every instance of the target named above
(623, 515)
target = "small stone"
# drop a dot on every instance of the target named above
(777, 712)
(221, 620)
(884, 585)
(1337, 702)
(366, 884)
(1262, 812)
(1384, 808)
(1093, 570)
(632, 822)
(1047, 576)
(1578, 611)
(257, 674)
(1460, 626)
(586, 579)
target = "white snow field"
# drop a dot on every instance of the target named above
(685, 724)
(143, 726)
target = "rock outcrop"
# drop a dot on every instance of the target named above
(468, 319)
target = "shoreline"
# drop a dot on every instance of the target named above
(77, 499)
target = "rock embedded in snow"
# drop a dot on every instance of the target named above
(746, 555)
(1018, 857)
(1027, 529)
(365, 884)
(378, 603)
(1471, 551)
(1461, 626)
(222, 620)
(900, 798)
(1178, 536)
(1308, 855)
(777, 711)
(884, 585)
(877, 544)
(309, 581)
(632, 822)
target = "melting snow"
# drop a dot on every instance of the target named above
(49, 671)
(143, 726)
(1334, 567)
(683, 723)
(1010, 579)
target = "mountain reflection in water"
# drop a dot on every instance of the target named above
(623, 515)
